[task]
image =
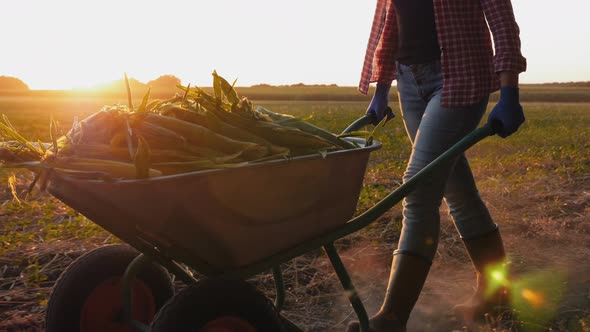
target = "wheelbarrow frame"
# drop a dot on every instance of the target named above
(325, 240)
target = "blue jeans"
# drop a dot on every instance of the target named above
(433, 129)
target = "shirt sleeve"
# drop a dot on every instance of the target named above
(379, 63)
(388, 45)
(506, 34)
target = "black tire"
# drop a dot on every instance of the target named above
(211, 300)
(83, 281)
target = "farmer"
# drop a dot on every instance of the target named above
(440, 52)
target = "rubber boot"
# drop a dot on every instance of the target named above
(407, 276)
(491, 295)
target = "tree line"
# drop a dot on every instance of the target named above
(12, 83)
(9, 83)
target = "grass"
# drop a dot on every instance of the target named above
(536, 183)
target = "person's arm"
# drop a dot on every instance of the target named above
(379, 63)
(506, 33)
(507, 116)
(508, 78)
(383, 59)
(378, 109)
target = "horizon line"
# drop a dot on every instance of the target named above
(293, 85)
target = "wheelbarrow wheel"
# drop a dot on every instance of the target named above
(87, 295)
(218, 305)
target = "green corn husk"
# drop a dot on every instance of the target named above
(103, 151)
(209, 120)
(212, 122)
(113, 168)
(99, 127)
(184, 114)
(144, 102)
(202, 98)
(240, 114)
(15, 151)
(239, 134)
(158, 136)
(283, 136)
(293, 122)
(142, 159)
(202, 136)
(226, 88)
(7, 128)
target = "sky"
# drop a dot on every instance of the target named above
(61, 44)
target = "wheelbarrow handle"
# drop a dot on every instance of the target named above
(397, 195)
(366, 120)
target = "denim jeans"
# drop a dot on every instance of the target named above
(433, 129)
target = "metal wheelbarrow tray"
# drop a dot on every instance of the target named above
(227, 218)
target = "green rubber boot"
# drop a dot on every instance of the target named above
(407, 276)
(491, 294)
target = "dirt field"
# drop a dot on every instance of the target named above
(536, 185)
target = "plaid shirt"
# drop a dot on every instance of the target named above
(469, 66)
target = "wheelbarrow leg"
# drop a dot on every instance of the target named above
(127, 292)
(279, 286)
(350, 291)
(280, 299)
(289, 326)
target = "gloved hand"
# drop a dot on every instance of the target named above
(507, 115)
(378, 107)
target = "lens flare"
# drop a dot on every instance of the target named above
(536, 299)
(536, 296)
(497, 274)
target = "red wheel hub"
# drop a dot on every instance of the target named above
(103, 307)
(228, 324)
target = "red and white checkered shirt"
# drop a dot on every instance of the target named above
(469, 66)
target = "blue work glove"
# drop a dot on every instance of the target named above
(378, 108)
(507, 115)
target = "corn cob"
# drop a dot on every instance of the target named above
(99, 127)
(199, 135)
(103, 151)
(212, 122)
(283, 136)
(158, 136)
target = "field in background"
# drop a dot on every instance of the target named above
(536, 184)
(300, 92)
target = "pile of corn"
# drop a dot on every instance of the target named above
(196, 131)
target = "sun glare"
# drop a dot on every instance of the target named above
(536, 299)
(90, 81)
(95, 84)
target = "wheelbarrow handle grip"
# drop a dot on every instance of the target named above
(366, 120)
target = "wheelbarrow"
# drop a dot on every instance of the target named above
(227, 225)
